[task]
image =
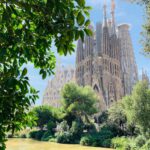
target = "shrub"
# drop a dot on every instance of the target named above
(36, 134)
(50, 126)
(111, 128)
(23, 136)
(46, 136)
(91, 140)
(106, 143)
(39, 135)
(10, 136)
(106, 134)
(65, 138)
(53, 139)
(76, 130)
(102, 139)
(140, 141)
(32, 134)
(120, 143)
(43, 115)
(146, 146)
(62, 127)
(69, 135)
(86, 141)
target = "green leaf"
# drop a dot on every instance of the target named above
(88, 8)
(44, 75)
(87, 13)
(13, 16)
(41, 71)
(20, 26)
(45, 1)
(88, 32)
(87, 23)
(75, 13)
(81, 35)
(77, 35)
(80, 18)
(81, 2)
(24, 72)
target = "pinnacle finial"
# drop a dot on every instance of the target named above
(105, 12)
(105, 7)
(113, 5)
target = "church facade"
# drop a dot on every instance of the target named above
(52, 95)
(105, 61)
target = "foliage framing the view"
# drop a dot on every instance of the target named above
(27, 31)
(146, 26)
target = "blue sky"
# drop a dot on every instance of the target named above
(125, 13)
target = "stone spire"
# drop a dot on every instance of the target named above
(145, 76)
(110, 26)
(128, 63)
(105, 13)
(113, 6)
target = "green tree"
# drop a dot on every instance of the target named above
(27, 31)
(43, 116)
(117, 116)
(102, 117)
(79, 101)
(137, 106)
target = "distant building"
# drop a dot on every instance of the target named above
(52, 95)
(106, 62)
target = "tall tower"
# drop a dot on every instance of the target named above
(99, 39)
(88, 58)
(105, 40)
(111, 60)
(84, 60)
(79, 63)
(128, 64)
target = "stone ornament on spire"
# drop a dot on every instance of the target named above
(105, 13)
(113, 6)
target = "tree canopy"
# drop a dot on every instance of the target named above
(43, 114)
(137, 106)
(28, 29)
(79, 101)
(117, 115)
